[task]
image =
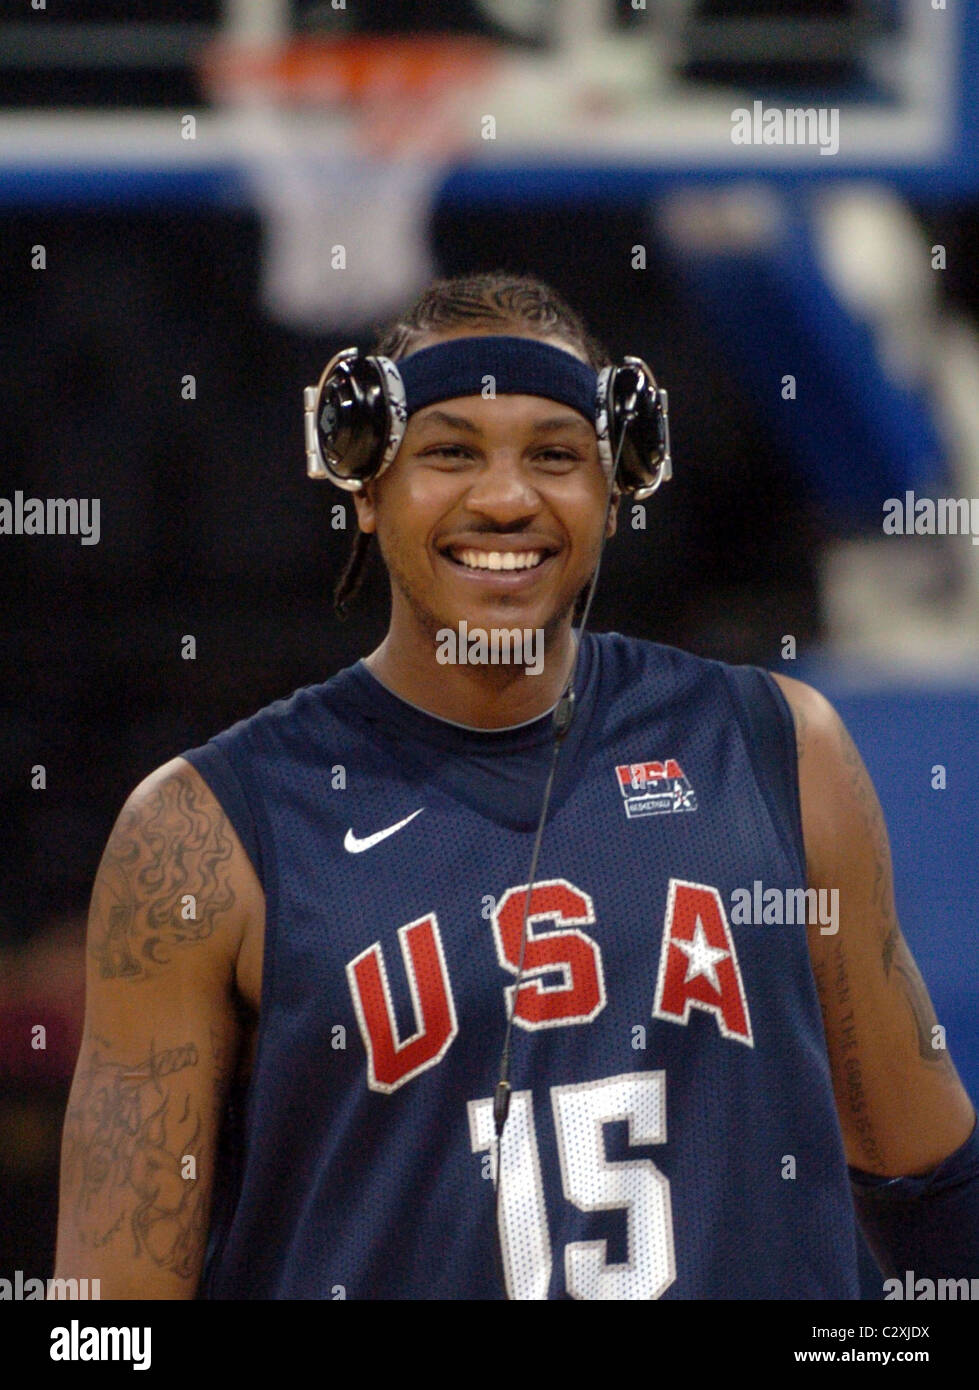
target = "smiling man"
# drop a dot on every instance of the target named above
(307, 936)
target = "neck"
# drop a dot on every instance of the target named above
(483, 696)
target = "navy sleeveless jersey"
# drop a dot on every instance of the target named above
(672, 1131)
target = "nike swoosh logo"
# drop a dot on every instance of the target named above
(356, 846)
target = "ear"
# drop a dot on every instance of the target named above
(366, 506)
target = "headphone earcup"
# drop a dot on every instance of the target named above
(638, 407)
(352, 419)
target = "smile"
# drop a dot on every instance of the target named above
(498, 559)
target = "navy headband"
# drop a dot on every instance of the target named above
(518, 366)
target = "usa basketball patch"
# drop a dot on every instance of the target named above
(655, 789)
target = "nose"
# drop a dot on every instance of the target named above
(503, 490)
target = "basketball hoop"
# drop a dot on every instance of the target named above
(345, 142)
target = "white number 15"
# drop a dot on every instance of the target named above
(591, 1182)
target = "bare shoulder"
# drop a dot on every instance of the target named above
(845, 832)
(811, 711)
(835, 789)
(174, 882)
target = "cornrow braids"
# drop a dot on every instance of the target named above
(493, 298)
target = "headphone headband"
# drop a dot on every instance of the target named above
(355, 418)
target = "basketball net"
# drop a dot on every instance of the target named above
(345, 144)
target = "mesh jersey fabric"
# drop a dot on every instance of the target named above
(672, 1130)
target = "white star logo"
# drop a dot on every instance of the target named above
(701, 956)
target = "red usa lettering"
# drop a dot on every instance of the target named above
(568, 952)
(563, 981)
(391, 1062)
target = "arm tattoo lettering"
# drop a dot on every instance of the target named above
(849, 1069)
(128, 1133)
(171, 847)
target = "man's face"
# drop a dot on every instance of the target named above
(491, 511)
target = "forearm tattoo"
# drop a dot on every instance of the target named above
(132, 1150)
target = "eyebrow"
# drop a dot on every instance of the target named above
(459, 422)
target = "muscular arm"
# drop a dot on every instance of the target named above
(901, 1104)
(172, 901)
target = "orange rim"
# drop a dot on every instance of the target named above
(347, 69)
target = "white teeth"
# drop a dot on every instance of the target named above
(499, 559)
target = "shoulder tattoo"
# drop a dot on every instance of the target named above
(163, 881)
